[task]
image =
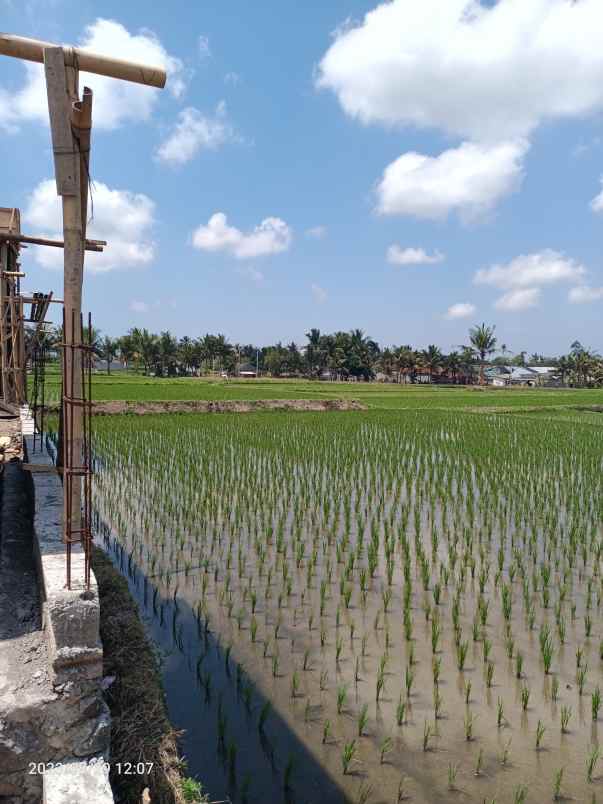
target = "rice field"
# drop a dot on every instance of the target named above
(369, 607)
(138, 388)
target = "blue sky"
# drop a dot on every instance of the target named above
(468, 144)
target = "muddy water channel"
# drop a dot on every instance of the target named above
(371, 607)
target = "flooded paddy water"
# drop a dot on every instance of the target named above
(372, 607)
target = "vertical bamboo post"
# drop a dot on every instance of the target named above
(62, 89)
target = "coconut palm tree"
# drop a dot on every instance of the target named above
(108, 348)
(431, 359)
(406, 361)
(483, 342)
(452, 364)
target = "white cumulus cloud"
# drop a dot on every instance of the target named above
(531, 270)
(583, 294)
(460, 310)
(469, 180)
(122, 218)
(516, 300)
(194, 132)
(271, 236)
(412, 256)
(477, 71)
(115, 102)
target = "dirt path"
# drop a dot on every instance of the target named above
(227, 406)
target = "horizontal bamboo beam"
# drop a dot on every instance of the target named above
(20, 47)
(32, 300)
(91, 245)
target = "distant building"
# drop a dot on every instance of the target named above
(247, 370)
(532, 376)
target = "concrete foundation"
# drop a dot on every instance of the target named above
(53, 719)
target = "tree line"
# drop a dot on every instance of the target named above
(338, 355)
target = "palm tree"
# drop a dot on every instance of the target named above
(431, 358)
(452, 364)
(127, 350)
(313, 351)
(406, 361)
(108, 347)
(467, 359)
(483, 343)
(565, 364)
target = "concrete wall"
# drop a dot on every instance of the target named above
(55, 716)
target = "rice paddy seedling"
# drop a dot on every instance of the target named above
(566, 713)
(525, 697)
(547, 654)
(504, 757)
(288, 773)
(467, 690)
(479, 763)
(347, 755)
(364, 793)
(326, 730)
(400, 711)
(591, 762)
(362, 719)
(436, 667)
(294, 684)
(489, 674)
(500, 713)
(588, 624)
(540, 729)
(468, 724)
(581, 678)
(596, 702)
(518, 664)
(555, 689)
(452, 772)
(487, 647)
(379, 686)
(461, 655)
(437, 703)
(342, 694)
(436, 632)
(409, 677)
(385, 748)
(324, 677)
(557, 782)
(427, 735)
(520, 794)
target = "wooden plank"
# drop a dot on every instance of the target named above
(38, 467)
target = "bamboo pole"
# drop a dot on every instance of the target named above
(91, 245)
(20, 47)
